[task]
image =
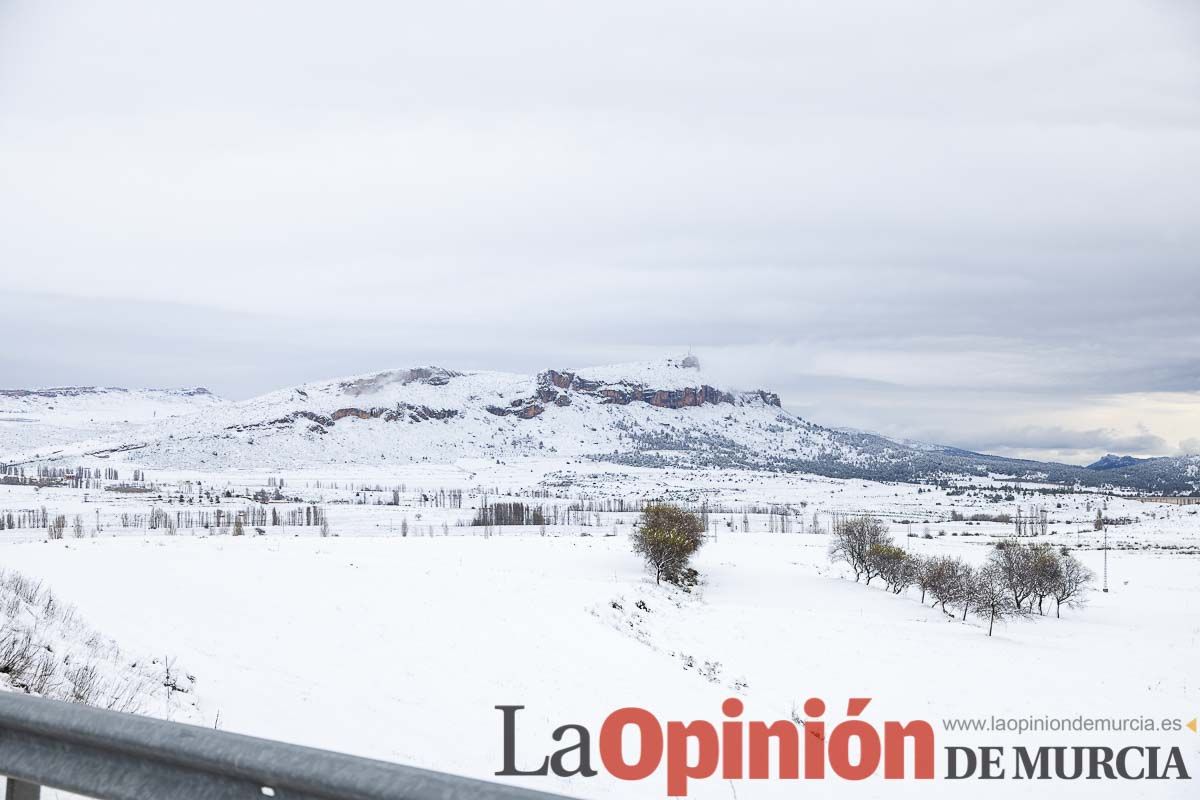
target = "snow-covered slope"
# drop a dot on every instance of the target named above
(40, 421)
(86, 406)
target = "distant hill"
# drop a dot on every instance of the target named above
(662, 414)
(46, 422)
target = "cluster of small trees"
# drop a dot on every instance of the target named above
(515, 513)
(24, 518)
(667, 536)
(55, 525)
(1017, 579)
(220, 519)
(958, 516)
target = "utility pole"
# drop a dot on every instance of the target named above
(1105, 557)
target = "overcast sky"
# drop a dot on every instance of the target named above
(970, 222)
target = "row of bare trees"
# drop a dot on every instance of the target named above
(1016, 580)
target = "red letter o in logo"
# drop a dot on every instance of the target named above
(610, 743)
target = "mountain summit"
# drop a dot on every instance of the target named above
(1111, 461)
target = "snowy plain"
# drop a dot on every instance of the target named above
(399, 645)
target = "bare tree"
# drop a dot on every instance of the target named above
(1072, 584)
(935, 579)
(1014, 563)
(992, 595)
(55, 528)
(852, 543)
(894, 566)
(1044, 565)
(951, 582)
(925, 574)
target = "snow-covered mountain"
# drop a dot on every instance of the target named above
(655, 414)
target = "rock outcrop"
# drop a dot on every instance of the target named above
(762, 396)
(524, 409)
(401, 412)
(555, 387)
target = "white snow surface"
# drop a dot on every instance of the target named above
(400, 648)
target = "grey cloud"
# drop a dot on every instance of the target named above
(922, 219)
(1065, 440)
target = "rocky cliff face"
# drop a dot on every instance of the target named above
(402, 412)
(624, 393)
(556, 388)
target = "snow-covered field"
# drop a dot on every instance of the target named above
(400, 646)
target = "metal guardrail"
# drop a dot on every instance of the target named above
(115, 756)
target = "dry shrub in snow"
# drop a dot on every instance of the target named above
(45, 649)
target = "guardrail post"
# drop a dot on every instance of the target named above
(20, 790)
